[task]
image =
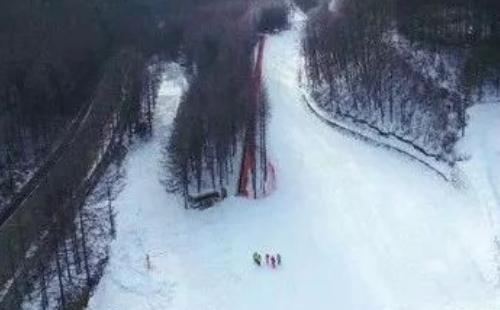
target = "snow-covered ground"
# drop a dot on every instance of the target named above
(358, 227)
(482, 145)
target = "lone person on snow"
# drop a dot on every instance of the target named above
(257, 258)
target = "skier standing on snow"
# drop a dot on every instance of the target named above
(267, 259)
(273, 262)
(278, 259)
(257, 258)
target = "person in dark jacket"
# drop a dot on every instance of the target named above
(278, 259)
(273, 261)
(257, 258)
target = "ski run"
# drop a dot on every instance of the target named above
(358, 227)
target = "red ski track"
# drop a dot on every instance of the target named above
(248, 164)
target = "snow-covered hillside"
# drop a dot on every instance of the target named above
(358, 227)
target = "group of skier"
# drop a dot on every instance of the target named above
(271, 260)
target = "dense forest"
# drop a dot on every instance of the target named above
(206, 145)
(78, 81)
(408, 69)
(53, 54)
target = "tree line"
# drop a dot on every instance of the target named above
(359, 70)
(55, 244)
(52, 56)
(206, 144)
(58, 59)
(470, 26)
(71, 258)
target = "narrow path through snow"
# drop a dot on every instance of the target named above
(358, 227)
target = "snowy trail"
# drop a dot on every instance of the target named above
(418, 242)
(358, 227)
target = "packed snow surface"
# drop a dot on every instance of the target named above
(481, 145)
(358, 227)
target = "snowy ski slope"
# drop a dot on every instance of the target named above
(358, 227)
